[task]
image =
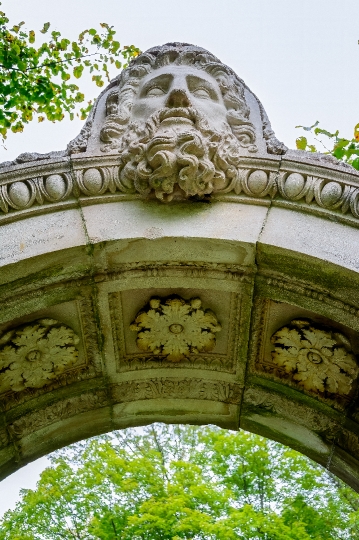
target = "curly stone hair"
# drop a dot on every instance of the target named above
(123, 89)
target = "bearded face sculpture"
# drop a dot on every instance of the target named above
(179, 120)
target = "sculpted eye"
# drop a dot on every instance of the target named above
(201, 93)
(155, 91)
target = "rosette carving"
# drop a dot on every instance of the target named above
(175, 328)
(319, 359)
(34, 354)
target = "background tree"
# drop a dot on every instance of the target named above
(183, 482)
(346, 150)
(40, 81)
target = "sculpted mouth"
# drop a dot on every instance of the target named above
(180, 113)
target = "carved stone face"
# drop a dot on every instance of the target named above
(180, 88)
(180, 123)
(178, 141)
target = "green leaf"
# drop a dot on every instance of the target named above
(79, 98)
(77, 71)
(301, 143)
(319, 131)
(341, 143)
(64, 43)
(338, 153)
(310, 127)
(45, 28)
(98, 80)
(16, 27)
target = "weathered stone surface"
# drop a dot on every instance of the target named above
(235, 303)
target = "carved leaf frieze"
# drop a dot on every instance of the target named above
(175, 328)
(4, 439)
(58, 411)
(349, 442)
(319, 360)
(177, 389)
(34, 354)
(269, 402)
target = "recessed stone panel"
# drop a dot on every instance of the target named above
(223, 357)
(307, 351)
(46, 350)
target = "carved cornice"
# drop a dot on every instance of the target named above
(4, 439)
(188, 269)
(305, 186)
(349, 442)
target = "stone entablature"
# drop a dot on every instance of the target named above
(177, 263)
(332, 192)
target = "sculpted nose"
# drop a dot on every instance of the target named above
(178, 98)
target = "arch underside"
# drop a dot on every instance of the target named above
(263, 272)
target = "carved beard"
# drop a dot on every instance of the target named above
(176, 154)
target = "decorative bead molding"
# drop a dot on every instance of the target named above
(319, 360)
(175, 328)
(34, 354)
(44, 188)
(24, 194)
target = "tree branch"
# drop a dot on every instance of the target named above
(52, 63)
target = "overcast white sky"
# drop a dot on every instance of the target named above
(301, 58)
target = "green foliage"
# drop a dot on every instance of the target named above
(36, 80)
(183, 482)
(346, 150)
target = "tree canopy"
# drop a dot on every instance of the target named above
(41, 80)
(183, 482)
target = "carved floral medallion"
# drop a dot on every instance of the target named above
(320, 360)
(34, 354)
(175, 327)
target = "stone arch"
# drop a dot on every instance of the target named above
(237, 307)
(111, 268)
